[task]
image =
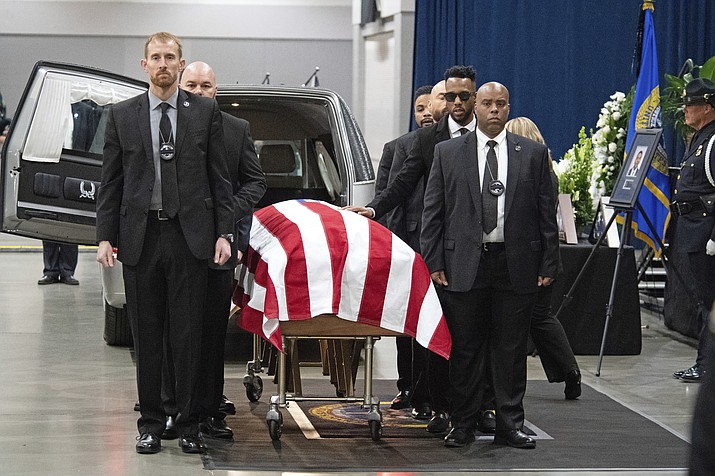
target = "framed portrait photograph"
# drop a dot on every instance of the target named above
(630, 179)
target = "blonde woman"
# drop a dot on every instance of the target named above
(546, 331)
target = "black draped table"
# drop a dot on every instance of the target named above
(584, 318)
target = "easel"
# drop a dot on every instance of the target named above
(629, 189)
(568, 297)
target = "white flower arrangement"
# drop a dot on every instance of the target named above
(609, 142)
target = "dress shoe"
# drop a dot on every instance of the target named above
(515, 439)
(192, 444)
(170, 432)
(401, 400)
(148, 443)
(48, 280)
(422, 412)
(573, 385)
(69, 280)
(215, 428)
(459, 437)
(439, 423)
(680, 373)
(227, 406)
(487, 422)
(694, 374)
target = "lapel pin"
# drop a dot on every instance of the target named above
(517, 147)
(186, 103)
(699, 151)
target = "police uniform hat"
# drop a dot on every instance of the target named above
(699, 91)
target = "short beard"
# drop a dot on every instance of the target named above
(162, 82)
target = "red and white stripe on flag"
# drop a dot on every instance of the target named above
(307, 258)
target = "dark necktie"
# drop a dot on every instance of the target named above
(462, 131)
(489, 201)
(169, 185)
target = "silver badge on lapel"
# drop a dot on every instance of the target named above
(166, 151)
(699, 151)
(517, 147)
(186, 103)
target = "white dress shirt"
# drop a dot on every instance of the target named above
(454, 127)
(497, 234)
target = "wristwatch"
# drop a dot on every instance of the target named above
(227, 236)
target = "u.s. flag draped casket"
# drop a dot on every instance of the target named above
(307, 258)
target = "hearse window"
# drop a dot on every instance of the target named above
(71, 114)
(295, 146)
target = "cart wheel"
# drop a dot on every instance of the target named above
(275, 428)
(375, 430)
(254, 388)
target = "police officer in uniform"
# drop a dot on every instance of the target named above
(693, 201)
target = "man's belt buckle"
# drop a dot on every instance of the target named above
(682, 208)
(492, 246)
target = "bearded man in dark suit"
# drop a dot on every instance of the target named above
(460, 83)
(489, 238)
(165, 202)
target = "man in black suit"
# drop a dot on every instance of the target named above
(693, 200)
(460, 88)
(489, 238)
(249, 185)
(165, 202)
(411, 385)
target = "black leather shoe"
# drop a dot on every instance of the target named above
(459, 437)
(439, 423)
(573, 385)
(487, 422)
(170, 432)
(680, 373)
(192, 444)
(48, 280)
(69, 280)
(694, 374)
(148, 443)
(422, 412)
(227, 406)
(401, 400)
(215, 428)
(515, 439)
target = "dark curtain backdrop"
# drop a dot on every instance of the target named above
(560, 59)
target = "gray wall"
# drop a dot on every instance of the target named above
(241, 41)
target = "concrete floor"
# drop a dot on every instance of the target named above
(66, 398)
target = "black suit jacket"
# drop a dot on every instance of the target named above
(205, 194)
(383, 172)
(385, 165)
(247, 179)
(417, 165)
(452, 219)
(405, 220)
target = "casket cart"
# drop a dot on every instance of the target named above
(327, 327)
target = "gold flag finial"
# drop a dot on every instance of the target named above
(648, 5)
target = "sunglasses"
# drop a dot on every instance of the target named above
(464, 96)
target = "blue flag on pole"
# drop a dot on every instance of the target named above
(654, 197)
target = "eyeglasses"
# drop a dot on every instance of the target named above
(464, 96)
